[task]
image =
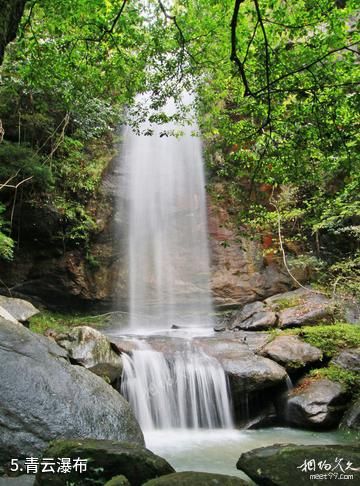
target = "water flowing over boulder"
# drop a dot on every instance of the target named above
(91, 349)
(284, 465)
(44, 397)
(291, 352)
(316, 404)
(105, 459)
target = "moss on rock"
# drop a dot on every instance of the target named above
(105, 459)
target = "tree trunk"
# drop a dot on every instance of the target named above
(10, 15)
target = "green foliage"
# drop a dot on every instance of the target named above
(6, 243)
(349, 379)
(58, 322)
(284, 303)
(19, 162)
(331, 338)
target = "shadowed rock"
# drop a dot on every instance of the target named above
(188, 478)
(284, 465)
(44, 397)
(105, 459)
(291, 352)
(316, 404)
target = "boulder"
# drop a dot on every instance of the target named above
(300, 307)
(23, 480)
(316, 404)
(283, 465)
(118, 481)
(189, 478)
(44, 397)
(253, 317)
(91, 349)
(291, 352)
(351, 418)
(105, 459)
(19, 309)
(349, 359)
(250, 373)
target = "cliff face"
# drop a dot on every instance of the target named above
(48, 273)
(240, 272)
(10, 15)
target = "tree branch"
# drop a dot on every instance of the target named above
(234, 56)
(303, 68)
(267, 66)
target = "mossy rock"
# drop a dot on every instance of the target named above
(118, 481)
(189, 478)
(105, 460)
(284, 465)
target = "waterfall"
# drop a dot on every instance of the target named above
(168, 268)
(190, 390)
(168, 256)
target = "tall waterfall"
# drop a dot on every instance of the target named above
(168, 257)
(190, 390)
(168, 265)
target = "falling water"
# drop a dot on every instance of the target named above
(190, 390)
(168, 255)
(168, 264)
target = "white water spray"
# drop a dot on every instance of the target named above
(168, 265)
(189, 390)
(168, 256)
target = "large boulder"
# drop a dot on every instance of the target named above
(249, 373)
(19, 309)
(300, 307)
(316, 404)
(44, 397)
(119, 480)
(104, 460)
(189, 478)
(253, 317)
(291, 352)
(351, 418)
(91, 349)
(349, 359)
(283, 465)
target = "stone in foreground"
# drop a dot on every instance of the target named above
(118, 481)
(105, 459)
(291, 352)
(189, 478)
(284, 465)
(21, 310)
(316, 404)
(44, 397)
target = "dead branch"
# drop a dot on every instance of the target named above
(2, 132)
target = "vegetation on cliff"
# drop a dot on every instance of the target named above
(276, 94)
